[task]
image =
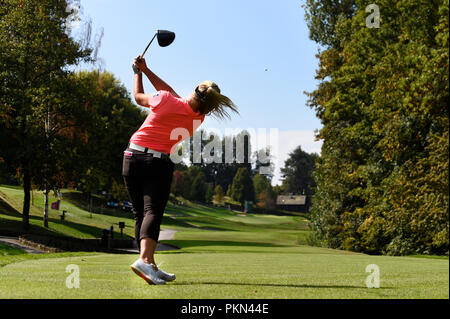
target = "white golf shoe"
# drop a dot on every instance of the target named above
(147, 272)
(165, 276)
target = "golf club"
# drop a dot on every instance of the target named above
(165, 38)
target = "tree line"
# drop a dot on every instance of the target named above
(236, 178)
(382, 178)
(248, 179)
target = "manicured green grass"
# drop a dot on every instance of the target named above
(223, 255)
(6, 250)
(272, 272)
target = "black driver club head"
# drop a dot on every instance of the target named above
(165, 38)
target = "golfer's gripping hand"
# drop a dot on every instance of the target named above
(140, 63)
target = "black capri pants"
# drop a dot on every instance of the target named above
(148, 180)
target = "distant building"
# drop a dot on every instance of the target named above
(295, 203)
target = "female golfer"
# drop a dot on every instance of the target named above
(147, 167)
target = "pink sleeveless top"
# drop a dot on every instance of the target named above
(170, 121)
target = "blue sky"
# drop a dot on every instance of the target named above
(257, 51)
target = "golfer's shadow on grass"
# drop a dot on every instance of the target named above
(275, 285)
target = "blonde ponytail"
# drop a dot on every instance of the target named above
(214, 103)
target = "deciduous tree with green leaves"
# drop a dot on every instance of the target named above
(114, 118)
(35, 92)
(382, 179)
(298, 170)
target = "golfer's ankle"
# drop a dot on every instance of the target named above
(148, 260)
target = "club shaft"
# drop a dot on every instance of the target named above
(149, 45)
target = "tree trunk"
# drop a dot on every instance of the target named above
(46, 208)
(26, 198)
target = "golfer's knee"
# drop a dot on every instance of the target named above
(150, 235)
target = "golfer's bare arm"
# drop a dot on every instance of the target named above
(138, 91)
(158, 83)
